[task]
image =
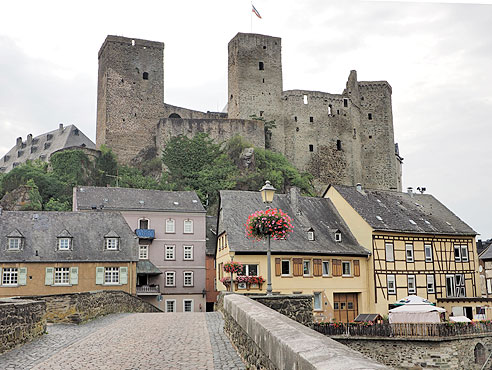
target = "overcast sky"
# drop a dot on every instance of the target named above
(437, 58)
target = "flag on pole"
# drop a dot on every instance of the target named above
(256, 11)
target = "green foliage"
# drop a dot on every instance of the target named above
(35, 201)
(57, 205)
(72, 166)
(106, 168)
(130, 177)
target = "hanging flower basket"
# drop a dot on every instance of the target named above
(256, 280)
(233, 267)
(272, 222)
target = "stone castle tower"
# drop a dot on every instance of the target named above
(342, 138)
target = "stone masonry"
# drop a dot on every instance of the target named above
(342, 138)
(296, 307)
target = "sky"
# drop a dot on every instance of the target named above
(436, 56)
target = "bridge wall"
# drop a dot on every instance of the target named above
(20, 321)
(267, 339)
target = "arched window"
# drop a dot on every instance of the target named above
(170, 226)
(480, 355)
(143, 223)
(174, 115)
(188, 227)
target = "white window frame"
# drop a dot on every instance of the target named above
(282, 267)
(409, 256)
(389, 247)
(112, 244)
(428, 247)
(168, 248)
(457, 247)
(431, 285)
(464, 253)
(489, 286)
(310, 235)
(188, 252)
(170, 274)
(140, 225)
(320, 301)
(349, 264)
(306, 263)
(64, 244)
(460, 288)
(170, 226)
(10, 276)
(192, 305)
(391, 279)
(113, 273)
(412, 280)
(246, 269)
(327, 263)
(338, 236)
(188, 226)
(14, 244)
(61, 276)
(188, 275)
(143, 252)
(173, 301)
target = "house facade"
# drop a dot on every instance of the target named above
(170, 227)
(321, 257)
(211, 281)
(417, 246)
(45, 253)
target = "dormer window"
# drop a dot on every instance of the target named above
(310, 234)
(14, 244)
(112, 244)
(338, 236)
(64, 244)
(188, 227)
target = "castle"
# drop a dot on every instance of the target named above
(342, 138)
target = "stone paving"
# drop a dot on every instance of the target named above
(130, 341)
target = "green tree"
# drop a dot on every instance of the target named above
(106, 168)
(72, 167)
(130, 177)
(35, 201)
(57, 205)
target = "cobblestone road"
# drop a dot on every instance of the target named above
(131, 341)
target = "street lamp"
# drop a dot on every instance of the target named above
(267, 193)
(231, 254)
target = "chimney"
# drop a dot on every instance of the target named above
(410, 191)
(294, 194)
(19, 142)
(29, 139)
(359, 187)
(60, 128)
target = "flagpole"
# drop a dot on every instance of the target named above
(251, 16)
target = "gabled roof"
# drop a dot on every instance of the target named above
(308, 212)
(127, 199)
(41, 230)
(486, 254)
(15, 233)
(64, 234)
(403, 212)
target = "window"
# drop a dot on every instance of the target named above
(170, 252)
(489, 286)
(188, 278)
(295, 118)
(249, 270)
(111, 275)
(311, 119)
(187, 252)
(457, 253)
(170, 278)
(345, 102)
(317, 301)
(339, 145)
(14, 243)
(10, 276)
(338, 236)
(170, 226)
(390, 282)
(112, 244)
(409, 252)
(464, 253)
(455, 285)
(346, 268)
(286, 267)
(428, 253)
(311, 147)
(430, 284)
(170, 305)
(143, 224)
(390, 257)
(187, 305)
(305, 98)
(310, 235)
(62, 275)
(306, 267)
(329, 109)
(64, 244)
(412, 289)
(188, 227)
(369, 116)
(143, 252)
(326, 268)
(145, 75)
(261, 66)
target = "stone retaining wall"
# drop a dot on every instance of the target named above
(80, 307)
(20, 321)
(269, 340)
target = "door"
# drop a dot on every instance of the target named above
(345, 306)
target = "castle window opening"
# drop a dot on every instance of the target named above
(329, 109)
(370, 136)
(297, 129)
(264, 47)
(311, 147)
(355, 133)
(295, 118)
(339, 145)
(369, 116)
(345, 102)
(133, 42)
(261, 113)
(231, 96)
(145, 75)
(261, 66)
(305, 99)
(174, 115)
(311, 119)
(338, 111)
(263, 80)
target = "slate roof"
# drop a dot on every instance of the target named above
(485, 252)
(387, 210)
(211, 235)
(126, 199)
(316, 213)
(40, 231)
(147, 267)
(42, 146)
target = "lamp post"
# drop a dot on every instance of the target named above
(267, 193)
(231, 254)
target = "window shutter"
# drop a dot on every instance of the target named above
(356, 268)
(297, 266)
(317, 269)
(23, 276)
(74, 275)
(99, 275)
(277, 267)
(337, 268)
(123, 275)
(48, 277)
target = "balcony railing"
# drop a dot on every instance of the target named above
(148, 289)
(145, 233)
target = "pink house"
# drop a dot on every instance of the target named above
(170, 227)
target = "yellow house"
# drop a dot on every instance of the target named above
(417, 246)
(44, 253)
(321, 257)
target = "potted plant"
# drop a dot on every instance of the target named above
(270, 223)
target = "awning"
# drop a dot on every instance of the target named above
(145, 267)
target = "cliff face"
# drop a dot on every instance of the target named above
(18, 199)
